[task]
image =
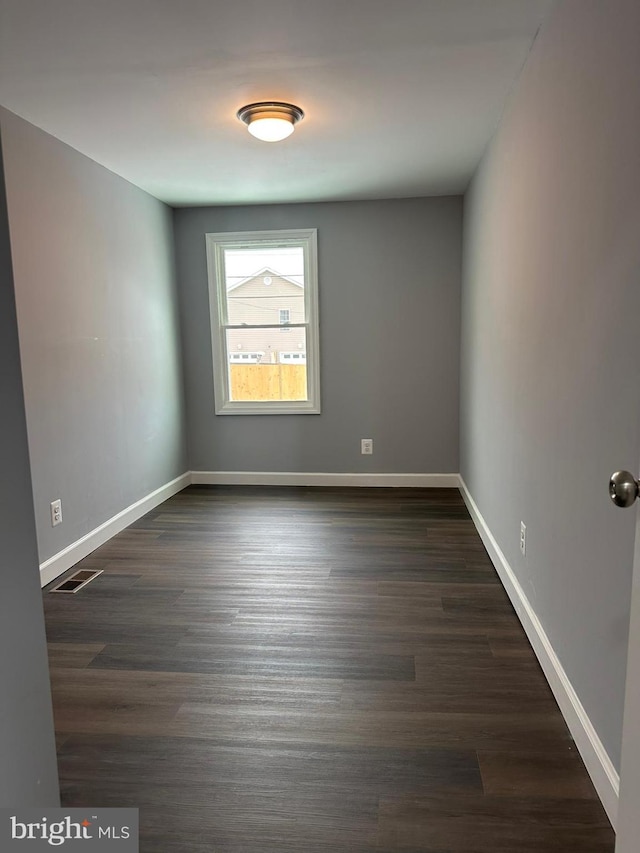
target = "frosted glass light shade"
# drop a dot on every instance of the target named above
(270, 129)
(270, 121)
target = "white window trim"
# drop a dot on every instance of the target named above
(216, 242)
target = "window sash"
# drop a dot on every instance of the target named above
(223, 295)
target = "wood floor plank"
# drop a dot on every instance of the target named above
(483, 824)
(247, 661)
(288, 669)
(515, 774)
(76, 655)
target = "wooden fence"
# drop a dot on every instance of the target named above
(268, 381)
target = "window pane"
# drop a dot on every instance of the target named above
(264, 285)
(265, 365)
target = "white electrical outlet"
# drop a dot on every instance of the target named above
(366, 446)
(523, 538)
(56, 513)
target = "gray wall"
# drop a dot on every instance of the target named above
(551, 312)
(389, 284)
(99, 333)
(28, 773)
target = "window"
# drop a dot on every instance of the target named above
(292, 357)
(261, 284)
(247, 357)
(285, 314)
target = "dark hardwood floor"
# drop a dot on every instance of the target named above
(292, 670)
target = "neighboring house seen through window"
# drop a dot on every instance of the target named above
(262, 284)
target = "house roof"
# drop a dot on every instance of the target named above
(262, 272)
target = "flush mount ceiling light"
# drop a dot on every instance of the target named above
(270, 121)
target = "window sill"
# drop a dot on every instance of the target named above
(271, 408)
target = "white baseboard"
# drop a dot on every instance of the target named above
(295, 478)
(69, 556)
(599, 766)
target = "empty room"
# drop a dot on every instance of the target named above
(320, 426)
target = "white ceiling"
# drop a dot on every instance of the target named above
(401, 96)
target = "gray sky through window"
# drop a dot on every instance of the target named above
(242, 263)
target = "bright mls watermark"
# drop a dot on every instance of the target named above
(69, 829)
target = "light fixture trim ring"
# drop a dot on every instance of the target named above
(289, 112)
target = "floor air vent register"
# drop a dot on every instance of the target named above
(77, 581)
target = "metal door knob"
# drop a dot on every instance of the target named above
(623, 488)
